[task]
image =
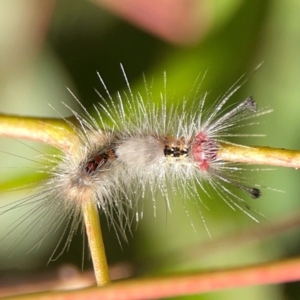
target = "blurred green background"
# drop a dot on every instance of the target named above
(46, 46)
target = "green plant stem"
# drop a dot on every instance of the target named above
(96, 245)
(259, 155)
(57, 132)
(52, 131)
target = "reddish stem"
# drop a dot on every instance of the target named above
(187, 284)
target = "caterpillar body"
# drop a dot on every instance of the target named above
(132, 150)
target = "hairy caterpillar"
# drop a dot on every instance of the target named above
(144, 147)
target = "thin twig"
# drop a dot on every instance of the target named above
(96, 245)
(59, 133)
